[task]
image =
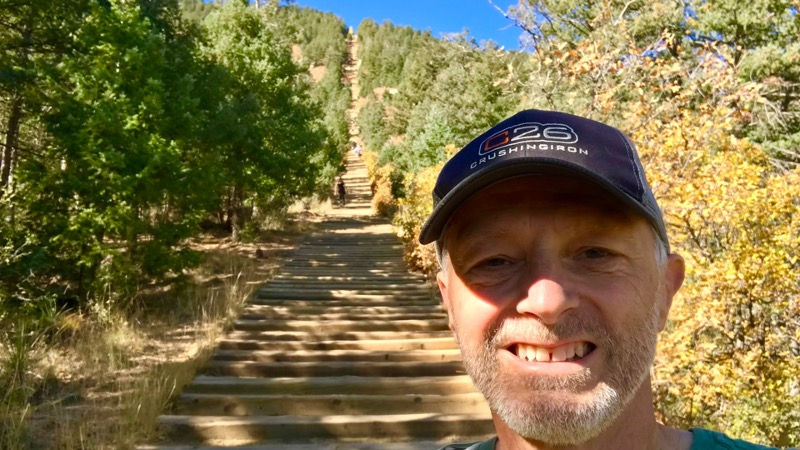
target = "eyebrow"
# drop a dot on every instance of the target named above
(616, 221)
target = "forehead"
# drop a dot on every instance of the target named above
(544, 195)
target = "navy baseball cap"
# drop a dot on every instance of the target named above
(546, 142)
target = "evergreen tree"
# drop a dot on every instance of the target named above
(275, 146)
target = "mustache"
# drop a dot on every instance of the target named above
(516, 329)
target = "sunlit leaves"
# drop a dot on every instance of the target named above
(142, 127)
(275, 147)
(729, 358)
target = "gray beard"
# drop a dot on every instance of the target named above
(560, 411)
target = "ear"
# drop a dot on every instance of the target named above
(672, 280)
(441, 280)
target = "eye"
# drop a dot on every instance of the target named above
(491, 271)
(494, 262)
(595, 253)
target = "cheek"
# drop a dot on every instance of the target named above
(469, 313)
(632, 300)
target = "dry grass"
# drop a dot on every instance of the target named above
(102, 385)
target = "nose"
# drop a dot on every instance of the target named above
(547, 299)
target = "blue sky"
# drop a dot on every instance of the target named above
(439, 16)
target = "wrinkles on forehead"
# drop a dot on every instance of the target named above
(538, 194)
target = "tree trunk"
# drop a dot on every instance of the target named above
(11, 142)
(237, 214)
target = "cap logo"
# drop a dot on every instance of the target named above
(529, 132)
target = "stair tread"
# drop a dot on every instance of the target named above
(419, 445)
(331, 419)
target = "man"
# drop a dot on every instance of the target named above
(557, 276)
(341, 191)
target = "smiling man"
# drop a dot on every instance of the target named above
(557, 276)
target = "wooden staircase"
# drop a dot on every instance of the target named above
(344, 349)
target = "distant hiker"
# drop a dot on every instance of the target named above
(340, 190)
(357, 150)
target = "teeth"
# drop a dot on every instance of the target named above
(530, 353)
(542, 355)
(568, 352)
(559, 354)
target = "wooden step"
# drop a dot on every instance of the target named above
(368, 271)
(449, 354)
(340, 336)
(374, 345)
(334, 326)
(333, 308)
(326, 405)
(327, 293)
(368, 285)
(416, 445)
(338, 277)
(337, 427)
(372, 300)
(288, 294)
(398, 280)
(445, 385)
(320, 312)
(334, 369)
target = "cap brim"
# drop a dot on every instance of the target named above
(434, 226)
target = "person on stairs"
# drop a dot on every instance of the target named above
(557, 276)
(341, 191)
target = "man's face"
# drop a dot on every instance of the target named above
(556, 298)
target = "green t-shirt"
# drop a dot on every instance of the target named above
(703, 440)
(711, 440)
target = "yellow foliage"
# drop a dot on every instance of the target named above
(380, 184)
(412, 212)
(729, 358)
(382, 201)
(371, 161)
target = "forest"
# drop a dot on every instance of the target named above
(132, 129)
(129, 131)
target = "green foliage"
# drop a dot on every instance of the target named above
(372, 122)
(383, 53)
(448, 92)
(319, 35)
(419, 72)
(759, 37)
(100, 200)
(425, 140)
(571, 21)
(133, 126)
(128, 123)
(276, 148)
(776, 122)
(196, 10)
(747, 26)
(320, 38)
(16, 385)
